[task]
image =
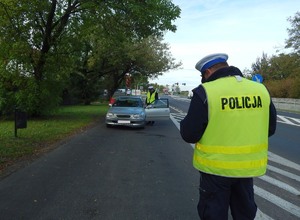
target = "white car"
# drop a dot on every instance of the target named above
(130, 111)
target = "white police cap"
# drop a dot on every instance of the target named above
(210, 60)
(150, 87)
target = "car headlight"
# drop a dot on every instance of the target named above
(110, 115)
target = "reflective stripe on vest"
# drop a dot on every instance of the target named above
(235, 142)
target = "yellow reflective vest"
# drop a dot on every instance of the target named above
(235, 142)
(150, 97)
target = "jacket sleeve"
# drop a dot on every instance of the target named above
(194, 124)
(272, 119)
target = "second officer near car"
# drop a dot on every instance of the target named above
(152, 95)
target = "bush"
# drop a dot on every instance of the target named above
(285, 88)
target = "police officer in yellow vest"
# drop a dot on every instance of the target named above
(152, 95)
(229, 120)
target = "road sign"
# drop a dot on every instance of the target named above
(257, 78)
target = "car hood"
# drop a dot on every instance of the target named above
(126, 110)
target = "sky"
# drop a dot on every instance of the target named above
(244, 29)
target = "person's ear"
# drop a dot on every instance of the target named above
(208, 73)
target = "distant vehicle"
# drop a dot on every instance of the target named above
(112, 100)
(121, 91)
(190, 94)
(136, 92)
(130, 111)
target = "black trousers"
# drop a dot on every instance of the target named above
(218, 193)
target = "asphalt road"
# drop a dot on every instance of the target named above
(123, 173)
(103, 173)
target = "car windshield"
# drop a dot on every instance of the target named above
(127, 102)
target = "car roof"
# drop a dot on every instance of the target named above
(128, 97)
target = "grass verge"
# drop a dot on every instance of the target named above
(44, 132)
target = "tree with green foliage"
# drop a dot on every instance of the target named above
(42, 42)
(294, 33)
(148, 58)
(261, 65)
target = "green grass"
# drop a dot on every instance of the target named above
(42, 132)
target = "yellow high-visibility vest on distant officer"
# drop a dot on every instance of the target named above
(150, 97)
(244, 153)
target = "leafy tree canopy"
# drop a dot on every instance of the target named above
(294, 33)
(43, 42)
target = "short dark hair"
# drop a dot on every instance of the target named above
(219, 65)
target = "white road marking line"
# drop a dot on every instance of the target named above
(283, 118)
(291, 208)
(176, 109)
(280, 184)
(284, 173)
(283, 161)
(287, 120)
(262, 216)
(293, 119)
